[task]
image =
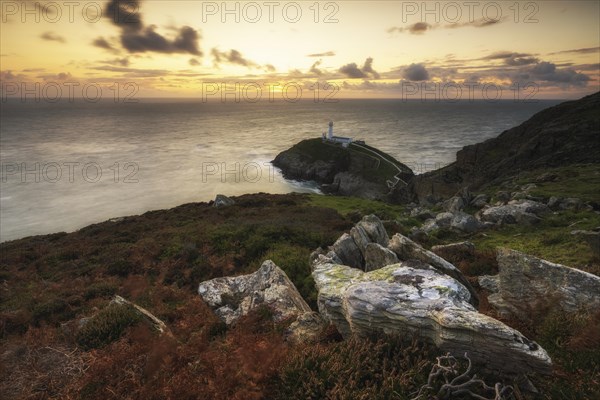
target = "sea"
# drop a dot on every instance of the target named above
(66, 165)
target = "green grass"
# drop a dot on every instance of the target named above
(579, 181)
(551, 239)
(347, 205)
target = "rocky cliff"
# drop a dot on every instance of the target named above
(358, 170)
(566, 134)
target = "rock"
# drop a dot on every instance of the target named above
(406, 249)
(374, 229)
(443, 220)
(490, 283)
(546, 177)
(454, 204)
(306, 328)
(503, 196)
(377, 256)
(480, 200)
(418, 235)
(413, 298)
(516, 211)
(348, 252)
(460, 249)
(571, 203)
(592, 238)
(421, 213)
(465, 223)
(529, 187)
(554, 203)
(233, 297)
(526, 282)
(159, 325)
(223, 201)
(429, 226)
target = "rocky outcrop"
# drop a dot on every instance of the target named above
(223, 201)
(515, 212)
(525, 283)
(406, 249)
(377, 256)
(561, 135)
(458, 221)
(358, 170)
(461, 249)
(233, 297)
(413, 298)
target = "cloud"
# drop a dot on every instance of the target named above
(416, 72)
(124, 62)
(104, 44)
(368, 68)
(314, 68)
(548, 72)
(231, 57)
(352, 71)
(51, 36)
(418, 28)
(477, 23)
(587, 50)
(326, 54)
(193, 62)
(138, 38)
(512, 58)
(62, 76)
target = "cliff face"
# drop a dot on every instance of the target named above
(358, 170)
(568, 133)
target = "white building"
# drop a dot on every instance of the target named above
(344, 141)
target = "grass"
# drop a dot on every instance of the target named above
(157, 260)
(551, 239)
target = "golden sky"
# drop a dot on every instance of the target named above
(384, 49)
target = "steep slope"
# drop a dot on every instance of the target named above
(566, 134)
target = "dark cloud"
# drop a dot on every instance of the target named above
(368, 68)
(138, 38)
(7, 76)
(62, 76)
(587, 50)
(51, 36)
(478, 23)
(416, 72)
(512, 58)
(269, 68)
(193, 62)
(231, 57)
(548, 72)
(104, 44)
(352, 71)
(326, 54)
(418, 28)
(315, 68)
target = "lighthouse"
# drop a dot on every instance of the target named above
(330, 135)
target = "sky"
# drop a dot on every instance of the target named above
(321, 50)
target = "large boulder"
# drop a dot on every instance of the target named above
(233, 297)
(515, 212)
(406, 249)
(223, 201)
(348, 252)
(377, 256)
(526, 283)
(413, 298)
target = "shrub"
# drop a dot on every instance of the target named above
(378, 368)
(107, 326)
(100, 289)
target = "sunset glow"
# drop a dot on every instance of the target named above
(347, 48)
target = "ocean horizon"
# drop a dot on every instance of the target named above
(66, 165)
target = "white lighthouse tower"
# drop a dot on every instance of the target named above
(344, 141)
(330, 135)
